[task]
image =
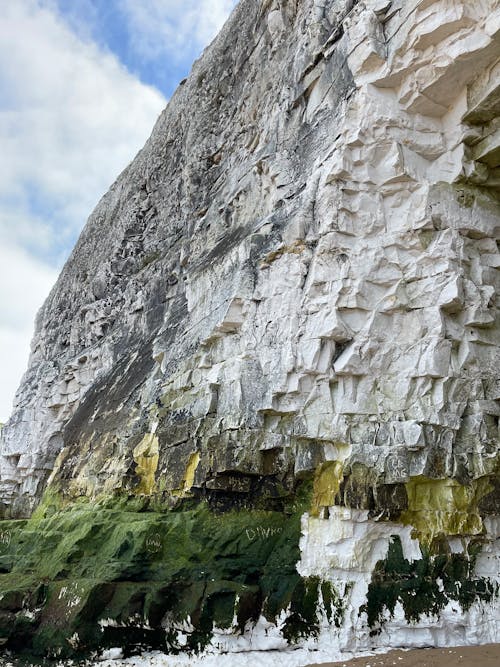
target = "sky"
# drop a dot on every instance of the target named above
(82, 83)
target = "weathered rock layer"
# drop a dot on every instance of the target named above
(274, 353)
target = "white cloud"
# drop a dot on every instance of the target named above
(71, 118)
(170, 27)
(24, 283)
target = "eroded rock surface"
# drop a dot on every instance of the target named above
(292, 292)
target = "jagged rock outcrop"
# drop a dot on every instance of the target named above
(281, 323)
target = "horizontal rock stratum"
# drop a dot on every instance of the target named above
(262, 406)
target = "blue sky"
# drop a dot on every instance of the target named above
(68, 69)
(156, 40)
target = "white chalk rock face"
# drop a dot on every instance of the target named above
(297, 278)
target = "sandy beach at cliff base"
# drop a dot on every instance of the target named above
(460, 656)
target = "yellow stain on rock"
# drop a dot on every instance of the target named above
(60, 459)
(296, 248)
(444, 506)
(146, 456)
(327, 480)
(188, 479)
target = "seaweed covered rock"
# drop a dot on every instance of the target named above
(79, 578)
(263, 395)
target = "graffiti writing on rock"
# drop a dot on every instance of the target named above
(153, 543)
(5, 538)
(262, 533)
(71, 596)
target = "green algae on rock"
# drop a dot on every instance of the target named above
(425, 586)
(90, 575)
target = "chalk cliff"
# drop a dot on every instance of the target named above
(262, 405)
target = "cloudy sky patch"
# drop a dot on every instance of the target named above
(157, 40)
(81, 85)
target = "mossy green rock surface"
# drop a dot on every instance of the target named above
(94, 575)
(425, 586)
